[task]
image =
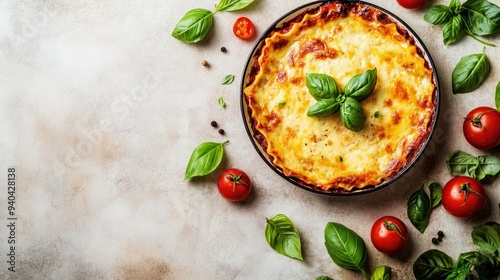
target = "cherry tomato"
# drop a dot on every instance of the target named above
(411, 4)
(389, 235)
(243, 28)
(482, 128)
(234, 184)
(463, 197)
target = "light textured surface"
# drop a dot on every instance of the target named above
(100, 109)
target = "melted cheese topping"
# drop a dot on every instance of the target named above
(321, 152)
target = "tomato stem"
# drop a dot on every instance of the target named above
(236, 180)
(466, 188)
(392, 226)
(476, 121)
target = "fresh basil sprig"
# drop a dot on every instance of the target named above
(346, 248)
(481, 264)
(196, 23)
(470, 73)
(473, 18)
(497, 96)
(460, 163)
(330, 99)
(420, 204)
(204, 159)
(419, 209)
(283, 236)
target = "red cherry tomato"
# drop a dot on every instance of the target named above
(389, 235)
(463, 197)
(234, 184)
(411, 4)
(482, 128)
(243, 28)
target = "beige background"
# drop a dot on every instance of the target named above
(100, 109)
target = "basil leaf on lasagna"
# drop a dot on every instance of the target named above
(361, 85)
(321, 86)
(352, 115)
(324, 108)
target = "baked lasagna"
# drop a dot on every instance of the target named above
(340, 39)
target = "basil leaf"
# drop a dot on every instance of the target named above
(228, 79)
(283, 236)
(193, 26)
(204, 159)
(381, 273)
(346, 248)
(323, 108)
(469, 73)
(483, 17)
(323, 278)
(435, 191)
(419, 209)
(352, 115)
(452, 30)
(438, 15)
(232, 5)
(321, 86)
(432, 265)
(458, 273)
(221, 102)
(361, 86)
(497, 96)
(488, 166)
(455, 7)
(487, 238)
(476, 264)
(460, 163)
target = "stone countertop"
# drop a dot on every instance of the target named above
(101, 108)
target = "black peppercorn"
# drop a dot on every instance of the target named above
(434, 241)
(440, 234)
(213, 123)
(440, 239)
(221, 131)
(223, 49)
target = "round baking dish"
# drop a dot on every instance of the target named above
(254, 134)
